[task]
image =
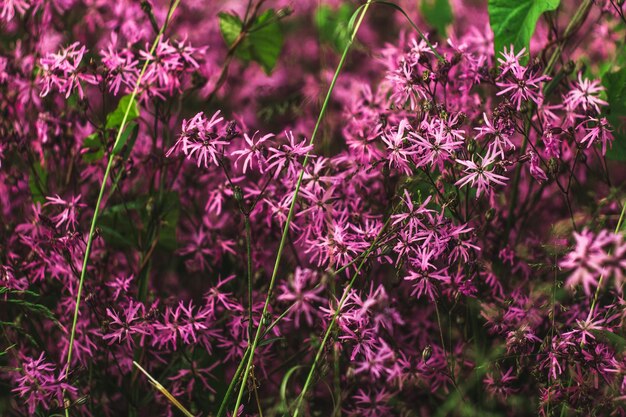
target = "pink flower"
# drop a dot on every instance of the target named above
(598, 130)
(60, 71)
(127, 325)
(302, 300)
(398, 147)
(39, 385)
(583, 94)
(287, 155)
(69, 214)
(510, 60)
(500, 139)
(253, 153)
(9, 7)
(481, 174)
(201, 138)
(522, 84)
(587, 260)
(535, 169)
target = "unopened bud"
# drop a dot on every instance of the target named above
(471, 145)
(427, 353)
(490, 214)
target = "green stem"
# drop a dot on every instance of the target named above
(107, 172)
(249, 262)
(577, 20)
(329, 330)
(285, 233)
(222, 410)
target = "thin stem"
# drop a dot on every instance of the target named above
(329, 329)
(246, 219)
(107, 172)
(222, 410)
(285, 233)
(164, 391)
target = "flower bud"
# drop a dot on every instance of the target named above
(471, 145)
(490, 214)
(427, 353)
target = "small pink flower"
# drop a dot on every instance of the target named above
(481, 174)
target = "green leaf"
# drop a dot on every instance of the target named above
(230, 26)
(615, 84)
(122, 223)
(37, 183)
(262, 43)
(616, 341)
(437, 13)
(332, 25)
(114, 119)
(32, 307)
(95, 148)
(513, 21)
(131, 131)
(170, 213)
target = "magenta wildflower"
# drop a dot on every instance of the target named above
(60, 71)
(481, 174)
(584, 93)
(123, 327)
(201, 139)
(253, 153)
(69, 214)
(40, 385)
(522, 84)
(287, 155)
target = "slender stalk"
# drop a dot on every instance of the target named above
(164, 391)
(285, 233)
(249, 262)
(574, 25)
(94, 219)
(222, 410)
(330, 327)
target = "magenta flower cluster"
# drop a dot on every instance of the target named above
(449, 241)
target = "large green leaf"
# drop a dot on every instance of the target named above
(114, 119)
(262, 42)
(437, 13)
(513, 21)
(332, 25)
(615, 84)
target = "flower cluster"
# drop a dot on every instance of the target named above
(445, 238)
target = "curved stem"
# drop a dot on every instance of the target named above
(285, 233)
(94, 219)
(329, 329)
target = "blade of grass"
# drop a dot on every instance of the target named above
(331, 325)
(285, 233)
(173, 5)
(164, 391)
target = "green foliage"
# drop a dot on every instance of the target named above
(95, 148)
(262, 42)
(37, 183)
(332, 25)
(19, 299)
(130, 131)
(437, 13)
(122, 223)
(115, 118)
(513, 21)
(615, 84)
